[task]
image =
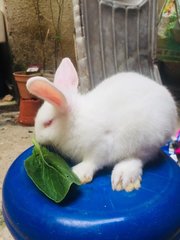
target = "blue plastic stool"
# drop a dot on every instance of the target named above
(93, 211)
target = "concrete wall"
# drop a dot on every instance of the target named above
(1, 5)
(24, 34)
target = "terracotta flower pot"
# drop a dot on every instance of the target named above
(28, 109)
(21, 79)
(29, 104)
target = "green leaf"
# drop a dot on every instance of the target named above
(50, 173)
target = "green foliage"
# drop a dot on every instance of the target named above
(50, 173)
(172, 23)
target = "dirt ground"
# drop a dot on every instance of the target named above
(14, 139)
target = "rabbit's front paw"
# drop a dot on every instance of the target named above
(127, 175)
(84, 171)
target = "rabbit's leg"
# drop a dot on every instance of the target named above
(85, 171)
(127, 175)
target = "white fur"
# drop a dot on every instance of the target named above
(122, 122)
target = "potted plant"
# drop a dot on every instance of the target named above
(21, 78)
(28, 103)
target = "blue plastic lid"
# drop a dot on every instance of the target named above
(94, 211)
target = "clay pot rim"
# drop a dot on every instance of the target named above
(24, 74)
(32, 100)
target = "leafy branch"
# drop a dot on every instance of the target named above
(57, 27)
(55, 23)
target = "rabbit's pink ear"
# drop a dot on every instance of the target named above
(66, 76)
(45, 90)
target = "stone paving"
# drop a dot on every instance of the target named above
(14, 139)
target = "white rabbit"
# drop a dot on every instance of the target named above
(122, 122)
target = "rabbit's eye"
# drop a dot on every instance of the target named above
(47, 123)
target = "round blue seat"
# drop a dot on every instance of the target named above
(93, 211)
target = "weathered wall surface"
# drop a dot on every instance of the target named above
(24, 33)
